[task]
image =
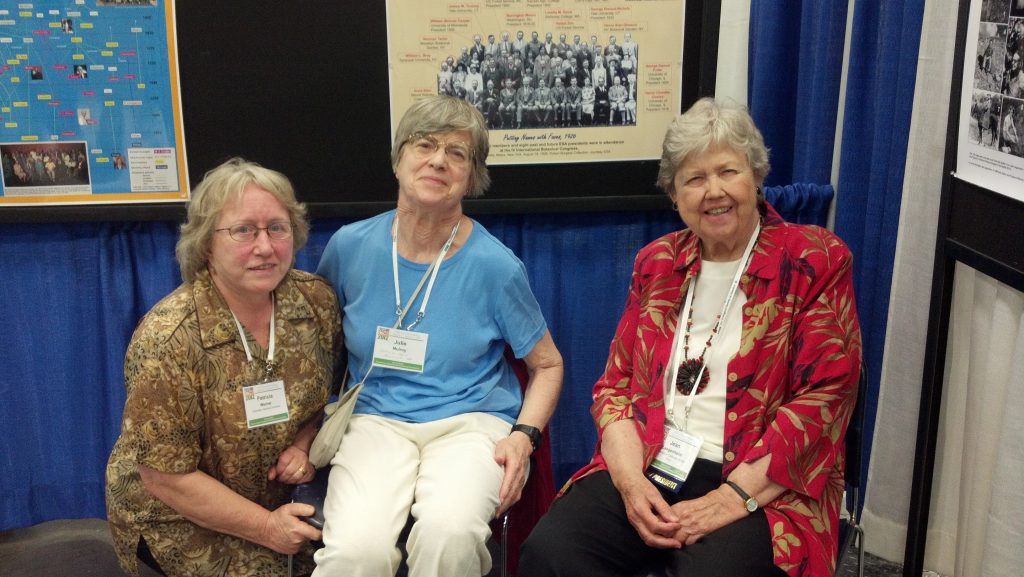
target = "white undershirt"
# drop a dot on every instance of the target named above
(707, 416)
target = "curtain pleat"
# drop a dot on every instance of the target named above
(879, 100)
(72, 296)
(975, 525)
(796, 60)
(899, 387)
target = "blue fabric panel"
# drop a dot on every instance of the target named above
(879, 99)
(72, 296)
(795, 66)
(74, 292)
(801, 203)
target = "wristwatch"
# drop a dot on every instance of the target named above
(748, 501)
(532, 432)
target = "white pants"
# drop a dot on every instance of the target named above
(442, 472)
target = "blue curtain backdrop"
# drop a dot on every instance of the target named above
(879, 100)
(796, 50)
(73, 293)
(795, 66)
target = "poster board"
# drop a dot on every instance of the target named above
(303, 88)
(601, 80)
(990, 146)
(90, 104)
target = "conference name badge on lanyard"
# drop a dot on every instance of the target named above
(266, 403)
(399, 349)
(672, 466)
(674, 461)
(404, 349)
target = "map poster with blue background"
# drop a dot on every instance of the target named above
(90, 104)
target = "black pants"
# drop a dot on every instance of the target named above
(587, 533)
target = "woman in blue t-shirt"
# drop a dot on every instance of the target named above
(430, 301)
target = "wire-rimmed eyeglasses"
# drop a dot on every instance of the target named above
(424, 146)
(248, 232)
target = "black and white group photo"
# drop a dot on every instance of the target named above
(520, 83)
(997, 104)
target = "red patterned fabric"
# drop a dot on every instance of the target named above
(791, 387)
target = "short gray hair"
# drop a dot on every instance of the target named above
(440, 114)
(710, 123)
(219, 187)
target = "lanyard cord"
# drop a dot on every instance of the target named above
(268, 369)
(435, 266)
(431, 272)
(674, 360)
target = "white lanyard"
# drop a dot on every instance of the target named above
(674, 360)
(431, 272)
(269, 369)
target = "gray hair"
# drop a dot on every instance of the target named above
(440, 114)
(708, 124)
(219, 187)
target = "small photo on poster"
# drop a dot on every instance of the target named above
(1011, 127)
(984, 123)
(45, 168)
(989, 65)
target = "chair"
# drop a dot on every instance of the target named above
(511, 529)
(850, 531)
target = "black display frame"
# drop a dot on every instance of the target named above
(329, 132)
(979, 228)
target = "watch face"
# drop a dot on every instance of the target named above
(751, 504)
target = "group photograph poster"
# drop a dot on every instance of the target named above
(990, 151)
(557, 81)
(90, 105)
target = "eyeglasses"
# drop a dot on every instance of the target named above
(248, 232)
(424, 146)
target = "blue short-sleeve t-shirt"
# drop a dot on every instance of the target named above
(480, 301)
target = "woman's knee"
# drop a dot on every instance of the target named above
(376, 555)
(544, 551)
(442, 534)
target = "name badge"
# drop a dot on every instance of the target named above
(399, 349)
(675, 459)
(265, 404)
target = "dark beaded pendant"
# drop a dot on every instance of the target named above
(688, 376)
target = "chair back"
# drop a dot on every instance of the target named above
(855, 441)
(850, 531)
(539, 491)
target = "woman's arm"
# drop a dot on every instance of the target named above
(208, 503)
(293, 466)
(718, 508)
(805, 434)
(614, 412)
(647, 510)
(544, 364)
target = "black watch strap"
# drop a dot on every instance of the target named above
(532, 432)
(749, 502)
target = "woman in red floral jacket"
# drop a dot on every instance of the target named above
(741, 474)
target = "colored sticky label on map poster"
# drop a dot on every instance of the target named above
(90, 103)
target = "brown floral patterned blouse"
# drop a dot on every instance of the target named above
(791, 387)
(184, 372)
